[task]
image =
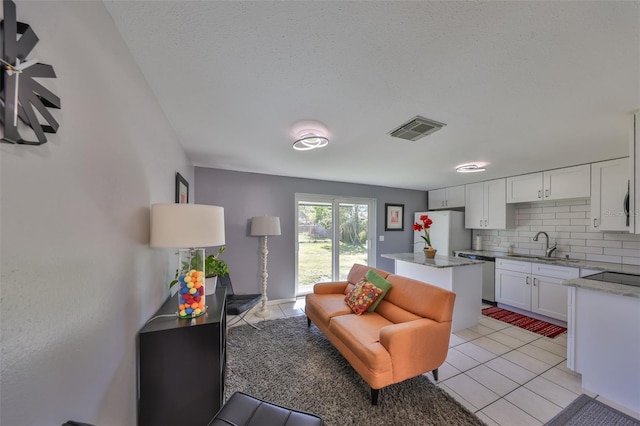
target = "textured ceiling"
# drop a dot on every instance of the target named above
(522, 86)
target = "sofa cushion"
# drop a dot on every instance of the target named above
(361, 334)
(323, 307)
(420, 298)
(358, 272)
(362, 296)
(394, 313)
(374, 278)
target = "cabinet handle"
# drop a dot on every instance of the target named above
(480, 223)
(539, 193)
(546, 193)
(534, 281)
(595, 225)
(625, 205)
(527, 280)
(485, 223)
(442, 203)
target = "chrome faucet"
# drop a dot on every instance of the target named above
(547, 250)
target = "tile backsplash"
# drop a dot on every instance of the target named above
(567, 223)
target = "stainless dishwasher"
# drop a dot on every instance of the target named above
(488, 274)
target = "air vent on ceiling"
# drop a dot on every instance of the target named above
(416, 128)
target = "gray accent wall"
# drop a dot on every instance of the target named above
(244, 195)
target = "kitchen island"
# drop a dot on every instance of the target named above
(462, 276)
(603, 342)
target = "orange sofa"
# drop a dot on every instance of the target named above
(407, 334)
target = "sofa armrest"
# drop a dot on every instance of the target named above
(330, 287)
(422, 342)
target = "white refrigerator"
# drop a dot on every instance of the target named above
(447, 232)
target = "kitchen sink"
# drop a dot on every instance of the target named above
(529, 256)
(542, 258)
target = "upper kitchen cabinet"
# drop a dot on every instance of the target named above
(486, 207)
(610, 195)
(634, 184)
(524, 188)
(558, 184)
(446, 198)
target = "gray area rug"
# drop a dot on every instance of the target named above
(297, 367)
(586, 411)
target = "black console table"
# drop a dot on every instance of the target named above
(181, 365)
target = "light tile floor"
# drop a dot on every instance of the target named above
(502, 373)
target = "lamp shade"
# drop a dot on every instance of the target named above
(186, 225)
(265, 225)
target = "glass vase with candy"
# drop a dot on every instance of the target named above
(191, 284)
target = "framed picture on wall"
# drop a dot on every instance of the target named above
(182, 189)
(394, 217)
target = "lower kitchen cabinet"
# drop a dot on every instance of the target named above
(513, 283)
(603, 343)
(549, 297)
(534, 287)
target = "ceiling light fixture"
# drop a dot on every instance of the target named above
(310, 141)
(470, 168)
(309, 134)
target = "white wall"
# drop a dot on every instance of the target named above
(567, 223)
(78, 278)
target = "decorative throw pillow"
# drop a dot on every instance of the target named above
(363, 295)
(374, 278)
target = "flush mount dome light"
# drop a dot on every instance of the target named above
(309, 135)
(470, 168)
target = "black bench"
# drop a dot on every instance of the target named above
(244, 410)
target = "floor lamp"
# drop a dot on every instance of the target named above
(188, 228)
(264, 226)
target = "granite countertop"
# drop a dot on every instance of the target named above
(436, 262)
(574, 263)
(607, 287)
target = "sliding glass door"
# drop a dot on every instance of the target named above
(332, 234)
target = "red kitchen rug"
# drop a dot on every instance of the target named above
(537, 326)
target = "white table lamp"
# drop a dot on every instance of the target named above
(188, 228)
(264, 226)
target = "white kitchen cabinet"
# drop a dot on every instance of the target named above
(446, 198)
(534, 287)
(609, 190)
(524, 188)
(634, 183)
(486, 207)
(513, 283)
(558, 184)
(603, 343)
(548, 296)
(569, 182)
